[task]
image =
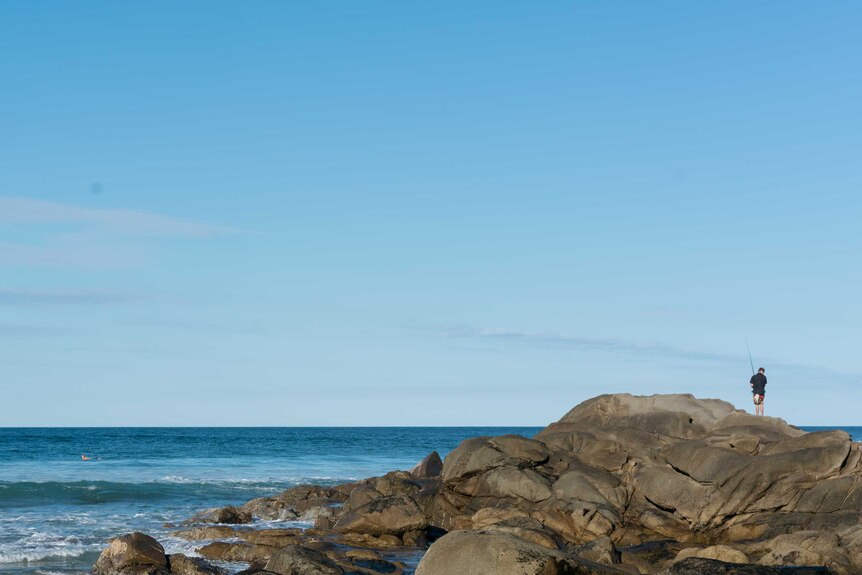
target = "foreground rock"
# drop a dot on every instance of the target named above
(480, 552)
(183, 565)
(132, 554)
(712, 567)
(296, 560)
(621, 484)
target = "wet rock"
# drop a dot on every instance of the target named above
(297, 560)
(385, 541)
(269, 508)
(236, 552)
(183, 565)
(696, 566)
(717, 552)
(272, 537)
(226, 515)
(132, 554)
(205, 532)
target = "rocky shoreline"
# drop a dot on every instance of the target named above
(622, 484)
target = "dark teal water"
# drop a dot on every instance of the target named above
(56, 511)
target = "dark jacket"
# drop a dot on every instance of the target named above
(758, 384)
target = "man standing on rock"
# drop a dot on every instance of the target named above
(758, 390)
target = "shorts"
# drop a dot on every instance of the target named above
(758, 399)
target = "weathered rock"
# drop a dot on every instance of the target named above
(675, 415)
(182, 565)
(717, 552)
(272, 537)
(697, 566)
(269, 508)
(236, 552)
(494, 553)
(581, 482)
(132, 554)
(203, 533)
(385, 541)
(297, 560)
(601, 550)
(527, 529)
(226, 515)
(393, 515)
(651, 556)
(808, 548)
(513, 482)
(521, 448)
(473, 456)
(431, 466)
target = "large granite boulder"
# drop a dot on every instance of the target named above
(395, 514)
(132, 554)
(496, 553)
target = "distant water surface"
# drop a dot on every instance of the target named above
(56, 511)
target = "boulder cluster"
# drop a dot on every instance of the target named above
(622, 484)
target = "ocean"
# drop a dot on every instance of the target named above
(57, 511)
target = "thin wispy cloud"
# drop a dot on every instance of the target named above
(36, 233)
(21, 330)
(19, 298)
(565, 341)
(621, 347)
(15, 210)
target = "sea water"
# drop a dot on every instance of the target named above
(57, 511)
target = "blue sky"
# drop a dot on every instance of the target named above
(450, 213)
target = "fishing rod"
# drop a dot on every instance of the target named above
(749, 357)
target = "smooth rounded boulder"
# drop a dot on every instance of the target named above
(497, 553)
(132, 554)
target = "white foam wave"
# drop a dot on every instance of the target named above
(39, 546)
(40, 553)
